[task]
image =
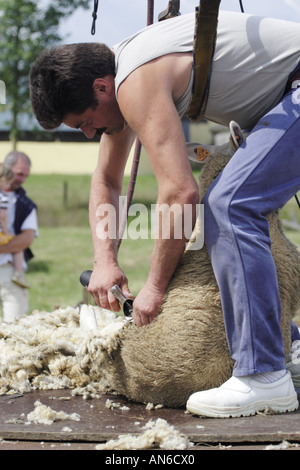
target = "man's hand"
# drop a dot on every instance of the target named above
(102, 280)
(147, 304)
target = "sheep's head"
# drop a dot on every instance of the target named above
(213, 158)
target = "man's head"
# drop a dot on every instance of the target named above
(61, 80)
(20, 164)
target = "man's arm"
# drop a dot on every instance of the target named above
(106, 189)
(155, 120)
(19, 243)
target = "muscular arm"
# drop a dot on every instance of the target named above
(106, 188)
(156, 122)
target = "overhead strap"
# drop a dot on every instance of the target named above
(171, 10)
(204, 45)
(94, 15)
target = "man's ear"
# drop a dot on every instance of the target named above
(101, 86)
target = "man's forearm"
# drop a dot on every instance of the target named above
(164, 260)
(106, 188)
(174, 227)
(19, 243)
(104, 221)
(104, 226)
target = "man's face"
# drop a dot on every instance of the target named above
(104, 118)
(21, 171)
(96, 121)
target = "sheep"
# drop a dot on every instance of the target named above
(184, 350)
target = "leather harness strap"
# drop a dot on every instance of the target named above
(204, 45)
(206, 21)
(171, 10)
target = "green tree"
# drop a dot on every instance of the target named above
(26, 28)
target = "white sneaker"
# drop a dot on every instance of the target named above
(244, 396)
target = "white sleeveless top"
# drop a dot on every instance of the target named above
(253, 59)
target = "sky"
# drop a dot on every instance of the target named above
(117, 19)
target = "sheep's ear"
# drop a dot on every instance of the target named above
(236, 135)
(199, 153)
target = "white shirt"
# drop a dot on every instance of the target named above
(253, 59)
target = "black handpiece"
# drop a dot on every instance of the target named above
(85, 277)
(125, 302)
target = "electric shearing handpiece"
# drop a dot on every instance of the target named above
(125, 302)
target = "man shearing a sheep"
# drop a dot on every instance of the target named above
(142, 87)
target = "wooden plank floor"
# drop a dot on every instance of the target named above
(98, 424)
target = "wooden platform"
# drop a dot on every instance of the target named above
(98, 424)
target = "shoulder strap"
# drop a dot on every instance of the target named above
(204, 44)
(171, 10)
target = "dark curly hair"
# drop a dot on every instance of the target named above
(61, 80)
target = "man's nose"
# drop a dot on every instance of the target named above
(89, 132)
(20, 179)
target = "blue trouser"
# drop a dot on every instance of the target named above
(261, 177)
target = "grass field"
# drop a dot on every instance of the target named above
(64, 247)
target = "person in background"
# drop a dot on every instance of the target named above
(6, 177)
(22, 222)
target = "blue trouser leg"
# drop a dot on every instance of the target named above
(260, 178)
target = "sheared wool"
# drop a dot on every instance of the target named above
(157, 433)
(112, 405)
(56, 350)
(43, 414)
(282, 446)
